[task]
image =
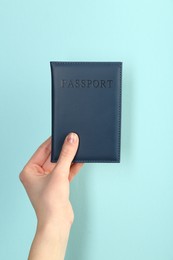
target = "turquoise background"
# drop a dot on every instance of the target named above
(122, 211)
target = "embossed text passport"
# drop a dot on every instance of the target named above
(86, 99)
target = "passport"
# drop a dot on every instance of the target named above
(86, 98)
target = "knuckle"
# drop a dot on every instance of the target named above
(47, 149)
(66, 152)
(61, 169)
(23, 175)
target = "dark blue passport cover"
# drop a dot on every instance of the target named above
(86, 99)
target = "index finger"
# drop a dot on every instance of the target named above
(42, 153)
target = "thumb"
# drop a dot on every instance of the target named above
(68, 152)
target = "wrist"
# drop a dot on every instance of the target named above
(50, 241)
(53, 229)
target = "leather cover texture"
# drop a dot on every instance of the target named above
(86, 99)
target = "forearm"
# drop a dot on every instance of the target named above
(50, 242)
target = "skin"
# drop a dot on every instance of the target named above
(48, 185)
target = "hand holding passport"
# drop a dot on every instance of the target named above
(86, 99)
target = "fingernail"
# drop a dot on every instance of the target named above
(71, 138)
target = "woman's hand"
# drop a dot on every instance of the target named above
(47, 185)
